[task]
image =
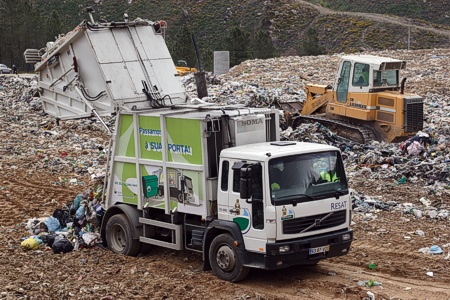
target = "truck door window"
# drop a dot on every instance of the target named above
(257, 198)
(236, 180)
(225, 171)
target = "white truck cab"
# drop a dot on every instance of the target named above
(279, 195)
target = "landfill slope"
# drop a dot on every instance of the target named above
(400, 200)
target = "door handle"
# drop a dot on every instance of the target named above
(235, 211)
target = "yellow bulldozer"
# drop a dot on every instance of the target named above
(366, 102)
(183, 68)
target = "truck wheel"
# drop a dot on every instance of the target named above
(225, 261)
(119, 236)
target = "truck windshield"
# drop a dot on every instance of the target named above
(307, 177)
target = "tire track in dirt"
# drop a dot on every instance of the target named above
(32, 196)
(395, 285)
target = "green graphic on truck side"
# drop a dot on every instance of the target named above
(184, 138)
(125, 186)
(243, 220)
(125, 146)
(153, 188)
(150, 137)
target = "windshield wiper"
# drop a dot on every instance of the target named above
(296, 198)
(340, 193)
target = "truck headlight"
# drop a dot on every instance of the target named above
(284, 249)
(346, 237)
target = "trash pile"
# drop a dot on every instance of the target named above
(80, 146)
(424, 159)
(68, 147)
(73, 227)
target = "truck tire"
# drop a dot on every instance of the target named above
(119, 236)
(224, 259)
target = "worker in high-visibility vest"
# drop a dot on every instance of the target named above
(329, 176)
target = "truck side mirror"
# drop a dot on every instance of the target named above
(246, 183)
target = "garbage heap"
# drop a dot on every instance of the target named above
(75, 152)
(423, 160)
(75, 226)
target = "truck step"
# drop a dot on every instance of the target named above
(197, 237)
(177, 237)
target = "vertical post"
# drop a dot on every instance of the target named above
(200, 79)
(409, 32)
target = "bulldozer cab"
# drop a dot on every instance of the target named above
(181, 63)
(367, 73)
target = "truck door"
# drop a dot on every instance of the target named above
(248, 213)
(343, 82)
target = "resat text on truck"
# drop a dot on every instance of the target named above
(212, 179)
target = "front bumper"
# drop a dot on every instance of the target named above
(299, 251)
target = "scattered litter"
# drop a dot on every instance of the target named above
(30, 244)
(435, 250)
(419, 232)
(431, 250)
(369, 283)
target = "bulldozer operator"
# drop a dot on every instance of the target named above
(363, 79)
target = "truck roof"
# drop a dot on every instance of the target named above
(268, 150)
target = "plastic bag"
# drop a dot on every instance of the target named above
(76, 201)
(48, 238)
(90, 238)
(52, 224)
(415, 148)
(63, 217)
(80, 212)
(30, 244)
(61, 245)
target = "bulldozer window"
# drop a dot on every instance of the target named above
(343, 82)
(388, 77)
(361, 74)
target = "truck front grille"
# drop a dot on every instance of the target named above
(313, 223)
(413, 114)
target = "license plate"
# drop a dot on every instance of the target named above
(322, 249)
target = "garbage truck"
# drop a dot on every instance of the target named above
(214, 179)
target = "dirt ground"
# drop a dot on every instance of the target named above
(31, 187)
(96, 273)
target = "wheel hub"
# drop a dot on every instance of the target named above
(225, 258)
(119, 238)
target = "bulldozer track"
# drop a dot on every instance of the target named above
(354, 133)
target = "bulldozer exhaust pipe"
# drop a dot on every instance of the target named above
(402, 86)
